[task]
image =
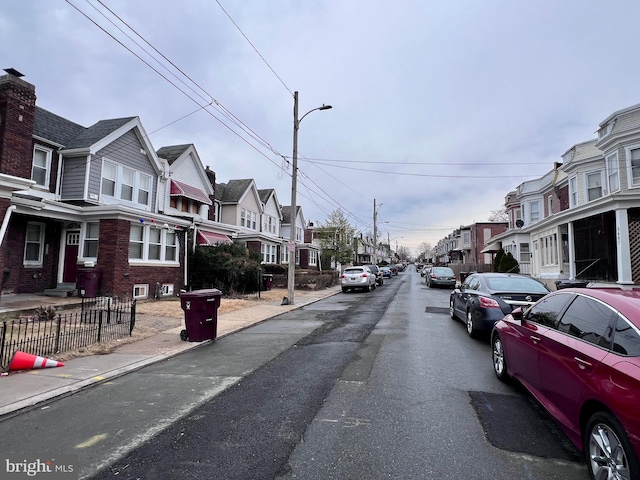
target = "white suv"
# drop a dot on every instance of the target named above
(358, 277)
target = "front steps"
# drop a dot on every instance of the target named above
(62, 290)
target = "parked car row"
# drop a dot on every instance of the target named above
(576, 350)
(366, 277)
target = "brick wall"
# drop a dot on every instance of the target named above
(118, 277)
(17, 111)
(29, 279)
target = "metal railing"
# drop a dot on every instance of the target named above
(47, 333)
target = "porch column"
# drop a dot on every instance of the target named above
(624, 248)
(572, 252)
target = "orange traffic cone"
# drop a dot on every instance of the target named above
(26, 361)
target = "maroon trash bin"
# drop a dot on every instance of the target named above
(200, 314)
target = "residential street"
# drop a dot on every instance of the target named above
(360, 385)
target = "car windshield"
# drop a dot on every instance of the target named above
(515, 284)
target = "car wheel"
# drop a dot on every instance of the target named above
(499, 362)
(452, 312)
(184, 336)
(471, 330)
(607, 449)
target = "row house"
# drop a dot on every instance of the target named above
(75, 197)
(469, 244)
(582, 219)
(102, 199)
(364, 250)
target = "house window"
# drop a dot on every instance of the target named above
(525, 255)
(313, 257)
(167, 289)
(155, 244)
(41, 166)
(298, 234)
(152, 244)
(33, 245)
(109, 179)
(613, 175)
(573, 192)
(534, 211)
(122, 183)
(594, 185)
(171, 247)
(248, 219)
(90, 244)
(549, 205)
(141, 291)
(144, 189)
(269, 253)
(126, 186)
(136, 242)
(633, 165)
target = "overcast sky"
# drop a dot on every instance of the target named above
(439, 108)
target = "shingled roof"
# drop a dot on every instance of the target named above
(97, 132)
(232, 191)
(286, 213)
(54, 128)
(172, 152)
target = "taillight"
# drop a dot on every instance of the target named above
(364, 275)
(488, 303)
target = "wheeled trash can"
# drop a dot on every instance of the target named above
(200, 314)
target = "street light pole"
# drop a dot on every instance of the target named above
(291, 247)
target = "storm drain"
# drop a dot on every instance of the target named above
(518, 424)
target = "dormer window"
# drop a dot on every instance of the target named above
(604, 131)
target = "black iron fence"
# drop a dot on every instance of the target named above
(45, 332)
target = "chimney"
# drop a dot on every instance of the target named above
(17, 117)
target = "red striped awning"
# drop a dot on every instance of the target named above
(211, 238)
(181, 189)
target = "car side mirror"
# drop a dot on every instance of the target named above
(517, 314)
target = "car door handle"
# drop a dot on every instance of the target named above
(583, 364)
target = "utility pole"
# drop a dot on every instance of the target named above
(291, 247)
(375, 234)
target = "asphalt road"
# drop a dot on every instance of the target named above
(358, 386)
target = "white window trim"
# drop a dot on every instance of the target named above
(627, 154)
(117, 198)
(143, 290)
(49, 155)
(585, 182)
(85, 229)
(163, 249)
(609, 173)
(39, 262)
(573, 191)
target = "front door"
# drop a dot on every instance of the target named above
(72, 244)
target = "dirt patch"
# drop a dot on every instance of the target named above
(155, 316)
(172, 307)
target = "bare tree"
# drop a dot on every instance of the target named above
(499, 215)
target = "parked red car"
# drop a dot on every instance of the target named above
(577, 351)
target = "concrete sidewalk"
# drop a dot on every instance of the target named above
(19, 390)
